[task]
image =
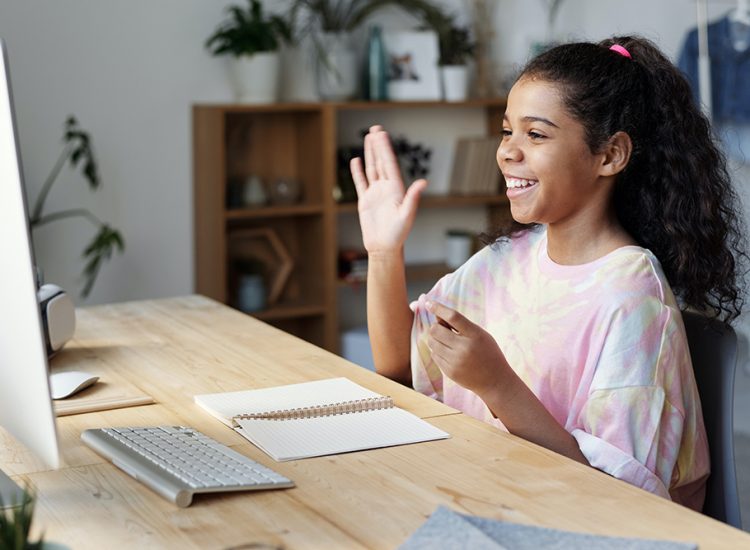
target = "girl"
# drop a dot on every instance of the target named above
(565, 331)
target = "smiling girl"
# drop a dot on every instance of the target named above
(566, 330)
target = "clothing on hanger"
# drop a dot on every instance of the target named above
(730, 69)
(739, 25)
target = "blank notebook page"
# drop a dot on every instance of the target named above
(308, 437)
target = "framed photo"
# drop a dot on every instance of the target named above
(412, 58)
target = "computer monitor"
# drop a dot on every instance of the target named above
(25, 403)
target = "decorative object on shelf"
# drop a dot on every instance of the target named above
(253, 41)
(376, 88)
(284, 191)
(253, 192)
(353, 265)
(251, 287)
(79, 148)
(322, 20)
(413, 65)
(475, 170)
(414, 158)
(456, 50)
(264, 246)
(459, 245)
(330, 24)
(336, 68)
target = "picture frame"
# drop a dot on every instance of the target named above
(412, 58)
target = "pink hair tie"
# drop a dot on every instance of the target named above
(621, 50)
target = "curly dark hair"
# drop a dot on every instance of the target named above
(675, 196)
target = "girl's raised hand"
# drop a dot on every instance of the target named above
(386, 211)
(466, 353)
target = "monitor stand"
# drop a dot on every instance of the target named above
(10, 493)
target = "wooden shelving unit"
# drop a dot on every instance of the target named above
(296, 141)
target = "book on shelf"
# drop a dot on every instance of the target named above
(475, 170)
(317, 418)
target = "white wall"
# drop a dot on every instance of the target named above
(130, 72)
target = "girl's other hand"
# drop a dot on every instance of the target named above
(386, 211)
(466, 353)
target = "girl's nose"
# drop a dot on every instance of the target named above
(508, 151)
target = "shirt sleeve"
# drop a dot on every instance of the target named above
(632, 434)
(633, 423)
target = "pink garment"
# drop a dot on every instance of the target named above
(603, 347)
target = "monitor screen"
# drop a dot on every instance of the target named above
(25, 404)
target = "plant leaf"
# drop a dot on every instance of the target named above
(81, 149)
(102, 246)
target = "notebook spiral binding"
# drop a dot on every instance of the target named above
(344, 407)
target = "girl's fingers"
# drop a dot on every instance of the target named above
(387, 158)
(370, 168)
(358, 175)
(450, 317)
(380, 146)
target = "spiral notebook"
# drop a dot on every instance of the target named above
(317, 418)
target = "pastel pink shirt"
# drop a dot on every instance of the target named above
(601, 345)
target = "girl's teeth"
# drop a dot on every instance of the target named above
(518, 182)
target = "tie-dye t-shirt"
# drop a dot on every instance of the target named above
(603, 347)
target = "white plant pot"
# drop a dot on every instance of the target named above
(336, 67)
(255, 78)
(455, 82)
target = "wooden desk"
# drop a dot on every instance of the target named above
(173, 349)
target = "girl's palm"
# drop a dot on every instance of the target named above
(386, 211)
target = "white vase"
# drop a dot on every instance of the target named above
(255, 78)
(336, 73)
(455, 82)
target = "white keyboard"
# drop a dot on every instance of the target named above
(177, 462)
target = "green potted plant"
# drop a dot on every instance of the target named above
(456, 50)
(330, 23)
(15, 524)
(252, 40)
(107, 240)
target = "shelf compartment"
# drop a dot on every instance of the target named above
(301, 238)
(276, 144)
(239, 214)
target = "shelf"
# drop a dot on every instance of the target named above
(289, 311)
(414, 272)
(443, 201)
(386, 105)
(359, 105)
(239, 214)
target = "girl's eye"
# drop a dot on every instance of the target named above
(506, 133)
(536, 136)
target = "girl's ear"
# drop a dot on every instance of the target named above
(616, 154)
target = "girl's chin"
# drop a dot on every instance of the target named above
(524, 217)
